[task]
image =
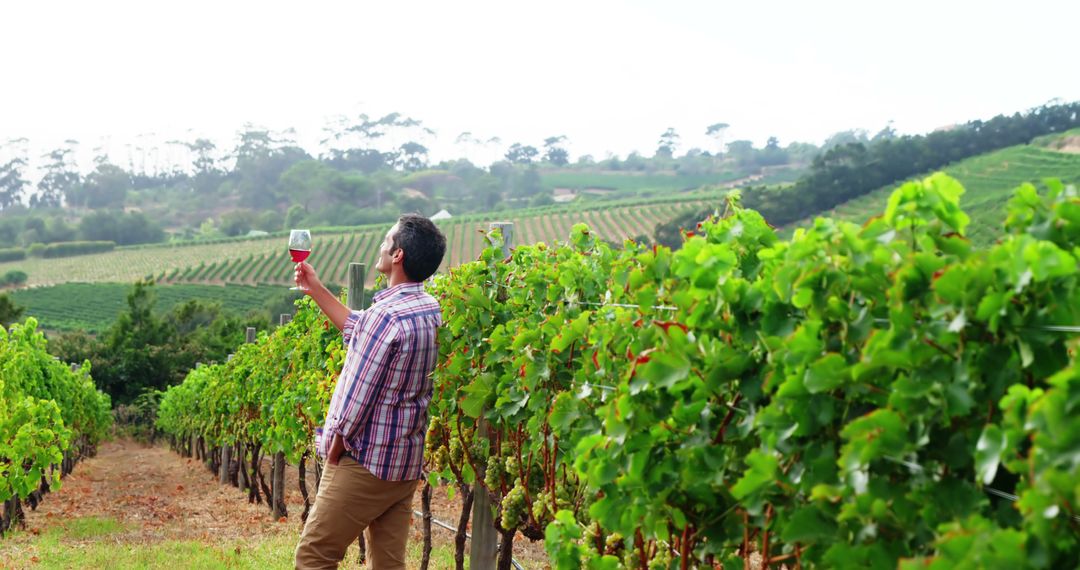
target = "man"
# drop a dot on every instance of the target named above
(373, 437)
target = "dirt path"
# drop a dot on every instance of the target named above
(155, 495)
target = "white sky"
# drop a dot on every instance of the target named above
(611, 75)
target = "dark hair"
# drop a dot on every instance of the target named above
(424, 246)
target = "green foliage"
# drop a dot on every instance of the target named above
(850, 170)
(841, 399)
(272, 393)
(12, 254)
(787, 395)
(13, 278)
(671, 234)
(625, 183)
(144, 350)
(122, 228)
(9, 311)
(93, 307)
(72, 248)
(45, 408)
(990, 181)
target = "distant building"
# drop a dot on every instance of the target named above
(413, 193)
(563, 194)
(441, 215)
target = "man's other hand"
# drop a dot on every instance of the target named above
(337, 449)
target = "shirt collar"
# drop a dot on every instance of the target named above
(402, 288)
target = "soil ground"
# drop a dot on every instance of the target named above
(142, 506)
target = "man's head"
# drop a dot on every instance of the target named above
(414, 244)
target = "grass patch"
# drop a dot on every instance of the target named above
(83, 529)
(101, 543)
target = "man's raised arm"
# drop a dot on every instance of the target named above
(331, 307)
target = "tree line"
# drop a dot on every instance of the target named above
(145, 350)
(861, 166)
(366, 170)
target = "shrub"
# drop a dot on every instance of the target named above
(71, 248)
(12, 254)
(13, 277)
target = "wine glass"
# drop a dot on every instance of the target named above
(299, 248)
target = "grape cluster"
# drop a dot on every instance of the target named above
(513, 507)
(457, 454)
(662, 559)
(513, 468)
(493, 473)
(439, 458)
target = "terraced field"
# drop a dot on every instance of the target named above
(332, 253)
(92, 307)
(265, 260)
(989, 180)
(630, 181)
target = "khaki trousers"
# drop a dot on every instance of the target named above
(351, 499)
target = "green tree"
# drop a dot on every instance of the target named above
(12, 182)
(886, 133)
(772, 154)
(851, 136)
(205, 332)
(521, 154)
(669, 141)
(207, 172)
(554, 151)
(717, 132)
(13, 278)
(261, 159)
(61, 178)
(123, 228)
(106, 187)
(269, 221)
(237, 222)
(295, 216)
(743, 152)
(135, 354)
(670, 234)
(530, 182)
(10, 313)
(413, 156)
(310, 183)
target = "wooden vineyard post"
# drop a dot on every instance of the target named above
(484, 538)
(242, 479)
(197, 440)
(277, 486)
(277, 470)
(226, 460)
(354, 300)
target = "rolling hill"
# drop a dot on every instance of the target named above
(989, 180)
(265, 261)
(87, 292)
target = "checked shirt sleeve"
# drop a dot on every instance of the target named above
(365, 383)
(349, 326)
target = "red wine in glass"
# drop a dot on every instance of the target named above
(299, 247)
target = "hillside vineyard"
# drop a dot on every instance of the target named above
(855, 397)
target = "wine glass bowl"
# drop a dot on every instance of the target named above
(299, 248)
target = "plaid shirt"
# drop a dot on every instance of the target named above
(380, 403)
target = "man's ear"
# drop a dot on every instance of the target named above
(398, 256)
